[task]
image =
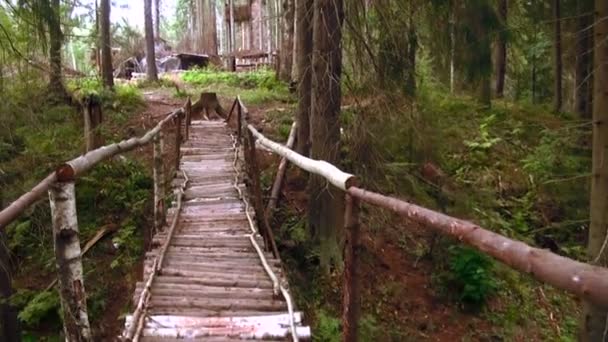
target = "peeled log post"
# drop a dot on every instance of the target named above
(278, 181)
(351, 302)
(188, 111)
(239, 125)
(584, 280)
(159, 183)
(254, 175)
(92, 121)
(178, 139)
(68, 258)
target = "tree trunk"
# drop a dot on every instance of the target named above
(157, 19)
(583, 78)
(452, 47)
(410, 80)
(326, 204)
(501, 50)
(9, 324)
(557, 57)
(69, 261)
(206, 30)
(304, 17)
(294, 47)
(55, 43)
(106, 46)
(286, 59)
(150, 54)
(93, 118)
(256, 25)
(595, 318)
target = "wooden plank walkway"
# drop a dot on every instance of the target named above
(212, 285)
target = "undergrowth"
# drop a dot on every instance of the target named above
(255, 87)
(37, 135)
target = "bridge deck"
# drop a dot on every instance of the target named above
(212, 285)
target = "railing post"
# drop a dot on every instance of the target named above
(188, 118)
(159, 183)
(351, 301)
(68, 258)
(258, 204)
(178, 139)
(239, 126)
(92, 120)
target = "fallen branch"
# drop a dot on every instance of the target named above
(103, 231)
(278, 181)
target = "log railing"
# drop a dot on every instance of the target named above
(60, 186)
(583, 280)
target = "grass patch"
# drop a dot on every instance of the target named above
(256, 87)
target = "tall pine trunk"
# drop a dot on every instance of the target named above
(157, 18)
(206, 31)
(584, 59)
(326, 204)
(595, 318)
(150, 54)
(55, 43)
(304, 17)
(9, 324)
(501, 50)
(557, 57)
(106, 47)
(286, 58)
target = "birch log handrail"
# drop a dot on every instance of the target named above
(79, 166)
(581, 279)
(332, 174)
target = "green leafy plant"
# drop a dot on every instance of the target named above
(327, 329)
(39, 307)
(484, 141)
(471, 273)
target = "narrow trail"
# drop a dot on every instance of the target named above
(212, 283)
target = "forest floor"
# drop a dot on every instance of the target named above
(412, 286)
(416, 284)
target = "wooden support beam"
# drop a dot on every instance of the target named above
(239, 125)
(278, 181)
(159, 183)
(68, 258)
(351, 300)
(178, 139)
(188, 110)
(231, 110)
(92, 120)
(253, 172)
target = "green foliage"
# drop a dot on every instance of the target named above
(43, 306)
(261, 79)
(110, 188)
(327, 328)
(254, 88)
(484, 141)
(471, 274)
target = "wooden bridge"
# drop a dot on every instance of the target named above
(214, 273)
(209, 275)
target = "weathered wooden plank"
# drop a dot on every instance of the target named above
(218, 303)
(196, 279)
(172, 321)
(274, 332)
(196, 312)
